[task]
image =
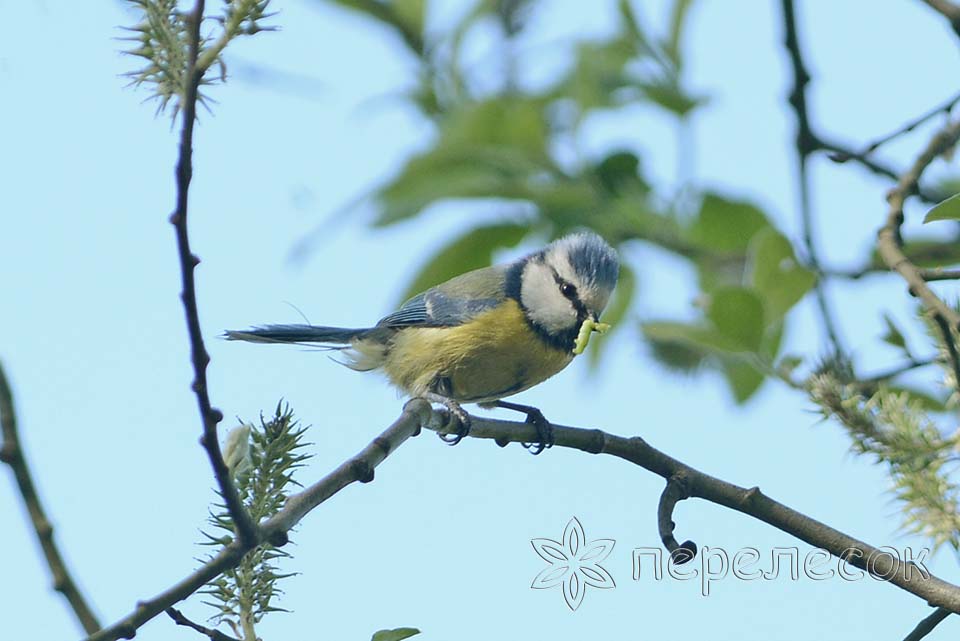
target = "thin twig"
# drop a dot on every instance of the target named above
(210, 416)
(939, 273)
(11, 453)
(889, 241)
(948, 10)
(893, 372)
(926, 626)
(181, 619)
(806, 144)
(674, 492)
(944, 108)
(752, 501)
(841, 154)
(274, 530)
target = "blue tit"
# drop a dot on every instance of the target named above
(484, 335)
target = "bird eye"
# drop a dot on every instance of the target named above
(568, 290)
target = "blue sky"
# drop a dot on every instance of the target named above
(96, 345)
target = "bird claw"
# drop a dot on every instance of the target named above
(545, 437)
(459, 416)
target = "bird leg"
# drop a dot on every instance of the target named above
(534, 417)
(457, 414)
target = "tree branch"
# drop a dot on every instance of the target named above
(181, 619)
(274, 530)
(926, 626)
(889, 241)
(806, 144)
(939, 273)
(209, 415)
(948, 10)
(751, 502)
(11, 453)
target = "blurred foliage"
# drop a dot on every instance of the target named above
(507, 146)
(514, 147)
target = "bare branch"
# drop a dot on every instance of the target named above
(751, 502)
(944, 108)
(11, 453)
(948, 10)
(926, 626)
(181, 619)
(841, 154)
(886, 375)
(209, 415)
(939, 274)
(889, 241)
(274, 530)
(806, 144)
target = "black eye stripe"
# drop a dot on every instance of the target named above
(569, 290)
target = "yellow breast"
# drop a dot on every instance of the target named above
(494, 355)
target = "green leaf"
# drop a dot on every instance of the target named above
(406, 17)
(677, 20)
(788, 364)
(737, 313)
(949, 209)
(894, 336)
(683, 358)
(490, 149)
(397, 634)
(671, 97)
(453, 172)
(629, 23)
(705, 338)
(598, 74)
(744, 379)
(686, 347)
(615, 313)
(724, 225)
(472, 250)
(619, 172)
(777, 276)
(515, 122)
(412, 13)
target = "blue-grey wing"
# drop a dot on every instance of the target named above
(452, 303)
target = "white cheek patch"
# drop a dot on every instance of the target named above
(540, 296)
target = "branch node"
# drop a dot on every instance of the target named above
(751, 495)
(598, 442)
(362, 470)
(278, 539)
(383, 444)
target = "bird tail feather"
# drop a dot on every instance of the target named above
(296, 334)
